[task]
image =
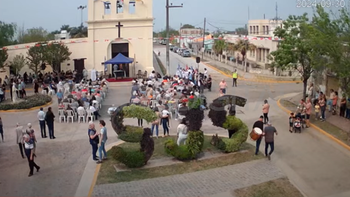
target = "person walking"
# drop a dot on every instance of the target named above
(19, 138)
(258, 124)
(155, 124)
(49, 118)
(182, 132)
(94, 140)
(103, 140)
(1, 130)
(269, 133)
(322, 102)
(28, 147)
(41, 117)
(265, 111)
(223, 87)
(234, 77)
(164, 121)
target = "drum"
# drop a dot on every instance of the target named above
(256, 133)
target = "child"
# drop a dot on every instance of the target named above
(317, 110)
(291, 121)
(297, 125)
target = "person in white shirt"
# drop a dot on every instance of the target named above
(182, 132)
(152, 75)
(205, 72)
(41, 118)
(94, 111)
(165, 121)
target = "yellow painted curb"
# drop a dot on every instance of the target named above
(245, 79)
(317, 128)
(24, 110)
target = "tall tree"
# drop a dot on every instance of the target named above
(17, 63)
(243, 46)
(56, 53)
(187, 26)
(34, 35)
(7, 33)
(295, 50)
(3, 57)
(36, 57)
(219, 47)
(241, 31)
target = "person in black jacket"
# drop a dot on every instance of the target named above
(259, 124)
(49, 121)
(94, 140)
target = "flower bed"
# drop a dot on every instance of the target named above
(29, 102)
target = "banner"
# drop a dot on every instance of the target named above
(83, 40)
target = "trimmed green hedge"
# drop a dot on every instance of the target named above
(131, 134)
(194, 146)
(30, 102)
(132, 159)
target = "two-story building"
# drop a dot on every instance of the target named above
(188, 35)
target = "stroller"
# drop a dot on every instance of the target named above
(297, 125)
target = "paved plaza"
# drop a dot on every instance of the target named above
(315, 165)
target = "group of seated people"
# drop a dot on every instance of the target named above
(84, 99)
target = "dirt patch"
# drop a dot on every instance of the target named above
(275, 188)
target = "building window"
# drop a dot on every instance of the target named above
(263, 50)
(107, 8)
(267, 54)
(254, 30)
(264, 30)
(120, 6)
(250, 28)
(257, 30)
(132, 7)
(267, 30)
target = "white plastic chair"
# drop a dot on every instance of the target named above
(70, 115)
(66, 105)
(81, 116)
(90, 115)
(43, 92)
(61, 116)
(51, 91)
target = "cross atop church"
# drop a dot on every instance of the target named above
(119, 26)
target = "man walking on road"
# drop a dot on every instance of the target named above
(269, 133)
(41, 117)
(258, 124)
(234, 77)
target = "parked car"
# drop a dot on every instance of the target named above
(175, 49)
(186, 53)
(172, 48)
(180, 51)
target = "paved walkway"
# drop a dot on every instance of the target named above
(202, 183)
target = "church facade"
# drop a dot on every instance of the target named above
(118, 26)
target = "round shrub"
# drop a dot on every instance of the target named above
(181, 153)
(134, 159)
(30, 102)
(117, 153)
(132, 134)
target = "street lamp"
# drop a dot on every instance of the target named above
(82, 9)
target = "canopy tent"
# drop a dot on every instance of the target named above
(119, 59)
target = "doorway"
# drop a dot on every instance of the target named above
(122, 48)
(79, 65)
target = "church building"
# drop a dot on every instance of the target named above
(114, 27)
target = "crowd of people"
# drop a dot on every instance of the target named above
(168, 97)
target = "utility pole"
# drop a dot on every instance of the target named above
(180, 35)
(205, 21)
(167, 33)
(82, 17)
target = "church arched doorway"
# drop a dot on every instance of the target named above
(120, 46)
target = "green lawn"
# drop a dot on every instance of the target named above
(108, 173)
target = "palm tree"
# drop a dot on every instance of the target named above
(219, 47)
(243, 46)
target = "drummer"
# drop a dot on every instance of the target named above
(259, 124)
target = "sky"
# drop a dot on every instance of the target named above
(220, 14)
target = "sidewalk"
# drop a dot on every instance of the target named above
(228, 69)
(202, 183)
